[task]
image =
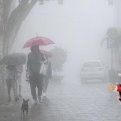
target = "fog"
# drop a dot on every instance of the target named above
(84, 90)
(78, 26)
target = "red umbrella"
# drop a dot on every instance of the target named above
(47, 53)
(41, 41)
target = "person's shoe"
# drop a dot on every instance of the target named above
(35, 101)
(16, 98)
(20, 96)
(40, 99)
(44, 94)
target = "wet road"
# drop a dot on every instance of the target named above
(68, 100)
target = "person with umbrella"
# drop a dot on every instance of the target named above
(34, 62)
(12, 60)
(11, 80)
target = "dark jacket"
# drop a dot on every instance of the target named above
(33, 64)
(49, 71)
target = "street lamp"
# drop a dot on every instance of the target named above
(112, 43)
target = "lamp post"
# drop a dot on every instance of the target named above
(112, 43)
(112, 59)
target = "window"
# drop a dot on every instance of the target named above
(92, 64)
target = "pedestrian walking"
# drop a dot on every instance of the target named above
(19, 76)
(11, 80)
(34, 62)
(47, 76)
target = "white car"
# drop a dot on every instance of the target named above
(94, 69)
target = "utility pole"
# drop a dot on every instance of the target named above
(111, 58)
(112, 44)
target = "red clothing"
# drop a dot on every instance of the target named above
(119, 88)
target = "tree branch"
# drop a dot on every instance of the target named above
(7, 5)
(19, 19)
(6, 9)
(15, 13)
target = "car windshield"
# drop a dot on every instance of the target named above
(92, 64)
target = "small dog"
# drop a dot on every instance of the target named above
(24, 107)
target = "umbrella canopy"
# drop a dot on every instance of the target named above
(13, 59)
(40, 41)
(47, 53)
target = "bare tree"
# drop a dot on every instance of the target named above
(10, 21)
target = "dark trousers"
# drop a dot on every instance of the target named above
(12, 84)
(36, 80)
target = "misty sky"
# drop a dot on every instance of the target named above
(77, 26)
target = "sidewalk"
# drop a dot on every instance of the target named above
(6, 109)
(66, 101)
(3, 93)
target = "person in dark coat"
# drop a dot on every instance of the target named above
(34, 62)
(47, 76)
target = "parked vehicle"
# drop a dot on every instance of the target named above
(94, 69)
